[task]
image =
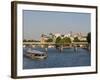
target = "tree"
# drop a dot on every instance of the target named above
(62, 41)
(66, 40)
(24, 40)
(49, 40)
(58, 41)
(76, 39)
(89, 37)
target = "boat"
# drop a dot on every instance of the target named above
(35, 54)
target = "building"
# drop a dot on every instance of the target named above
(57, 35)
(43, 40)
(83, 38)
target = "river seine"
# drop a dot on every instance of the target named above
(55, 59)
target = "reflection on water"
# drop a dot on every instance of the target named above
(67, 58)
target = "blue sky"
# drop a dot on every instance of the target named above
(36, 23)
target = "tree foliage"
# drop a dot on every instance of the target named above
(62, 41)
(58, 40)
(76, 39)
(66, 40)
(89, 37)
(49, 40)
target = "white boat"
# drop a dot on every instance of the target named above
(35, 54)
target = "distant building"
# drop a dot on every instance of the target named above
(83, 38)
(57, 35)
(67, 35)
(43, 40)
(71, 35)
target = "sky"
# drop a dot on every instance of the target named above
(36, 23)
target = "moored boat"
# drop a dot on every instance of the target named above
(35, 54)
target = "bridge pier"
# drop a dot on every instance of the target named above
(61, 49)
(75, 48)
(46, 50)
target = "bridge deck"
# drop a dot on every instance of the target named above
(52, 43)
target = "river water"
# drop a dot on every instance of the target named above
(55, 59)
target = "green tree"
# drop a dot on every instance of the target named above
(49, 40)
(62, 41)
(66, 40)
(89, 37)
(58, 41)
(24, 40)
(76, 39)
